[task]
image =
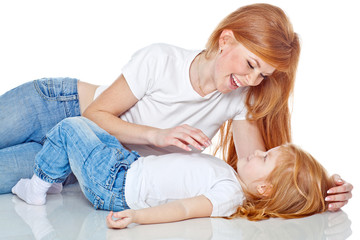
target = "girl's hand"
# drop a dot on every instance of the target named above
(124, 218)
(339, 195)
(181, 136)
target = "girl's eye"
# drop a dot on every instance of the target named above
(251, 66)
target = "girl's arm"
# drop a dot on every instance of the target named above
(247, 138)
(195, 207)
(116, 100)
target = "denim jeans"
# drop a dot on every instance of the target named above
(27, 113)
(97, 159)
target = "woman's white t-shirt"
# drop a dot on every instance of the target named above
(156, 180)
(158, 76)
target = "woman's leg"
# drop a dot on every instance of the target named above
(17, 162)
(27, 113)
(97, 159)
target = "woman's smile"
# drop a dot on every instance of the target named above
(235, 83)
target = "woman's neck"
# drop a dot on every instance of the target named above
(200, 75)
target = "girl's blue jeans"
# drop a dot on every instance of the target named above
(97, 159)
(27, 113)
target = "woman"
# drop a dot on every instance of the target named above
(169, 99)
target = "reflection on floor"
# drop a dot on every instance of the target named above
(69, 216)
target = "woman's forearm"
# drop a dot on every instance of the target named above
(124, 131)
(247, 138)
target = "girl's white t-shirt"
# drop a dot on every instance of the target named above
(156, 180)
(158, 76)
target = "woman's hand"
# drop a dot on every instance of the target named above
(339, 195)
(181, 136)
(123, 219)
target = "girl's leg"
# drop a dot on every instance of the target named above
(17, 162)
(27, 113)
(101, 171)
(97, 159)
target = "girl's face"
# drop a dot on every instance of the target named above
(237, 67)
(254, 169)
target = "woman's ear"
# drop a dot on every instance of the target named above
(264, 189)
(226, 37)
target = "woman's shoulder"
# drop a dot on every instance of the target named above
(163, 49)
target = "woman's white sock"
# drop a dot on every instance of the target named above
(32, 191)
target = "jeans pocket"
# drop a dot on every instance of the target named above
(94, 198)
(52, 89)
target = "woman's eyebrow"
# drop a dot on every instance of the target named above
(258, 64)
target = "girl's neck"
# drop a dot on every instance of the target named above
(200, 77)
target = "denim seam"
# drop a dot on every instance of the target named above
(124, 203)
(98, 202)
(43, 176)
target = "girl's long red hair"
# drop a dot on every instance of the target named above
(299, 187)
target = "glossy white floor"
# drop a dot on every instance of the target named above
(69, 216)
(92, 40)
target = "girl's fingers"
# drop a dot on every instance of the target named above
(117, 223)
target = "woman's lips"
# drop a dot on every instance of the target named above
(235, 82)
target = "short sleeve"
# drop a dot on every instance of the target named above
(226, 196)
(241, 115)
(139, 72)
(241, 109)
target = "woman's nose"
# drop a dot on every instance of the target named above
(253, 78)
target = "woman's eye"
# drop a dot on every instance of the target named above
(251, 66)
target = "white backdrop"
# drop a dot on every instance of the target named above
(92, 40)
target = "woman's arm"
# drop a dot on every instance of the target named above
(247, 138)
(116, 100)
(339, 195)
(113, 102)
(195, 207)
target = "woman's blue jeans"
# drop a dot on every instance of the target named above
(27, 113)
(97, 159)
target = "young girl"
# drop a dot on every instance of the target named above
(282, 182)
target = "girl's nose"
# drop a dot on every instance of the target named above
(259, 153)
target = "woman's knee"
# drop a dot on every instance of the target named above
(17, 162)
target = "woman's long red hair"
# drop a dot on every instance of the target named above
(266, 31)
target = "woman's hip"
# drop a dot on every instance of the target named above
(30, 110)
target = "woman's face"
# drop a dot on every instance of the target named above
(237, 67)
